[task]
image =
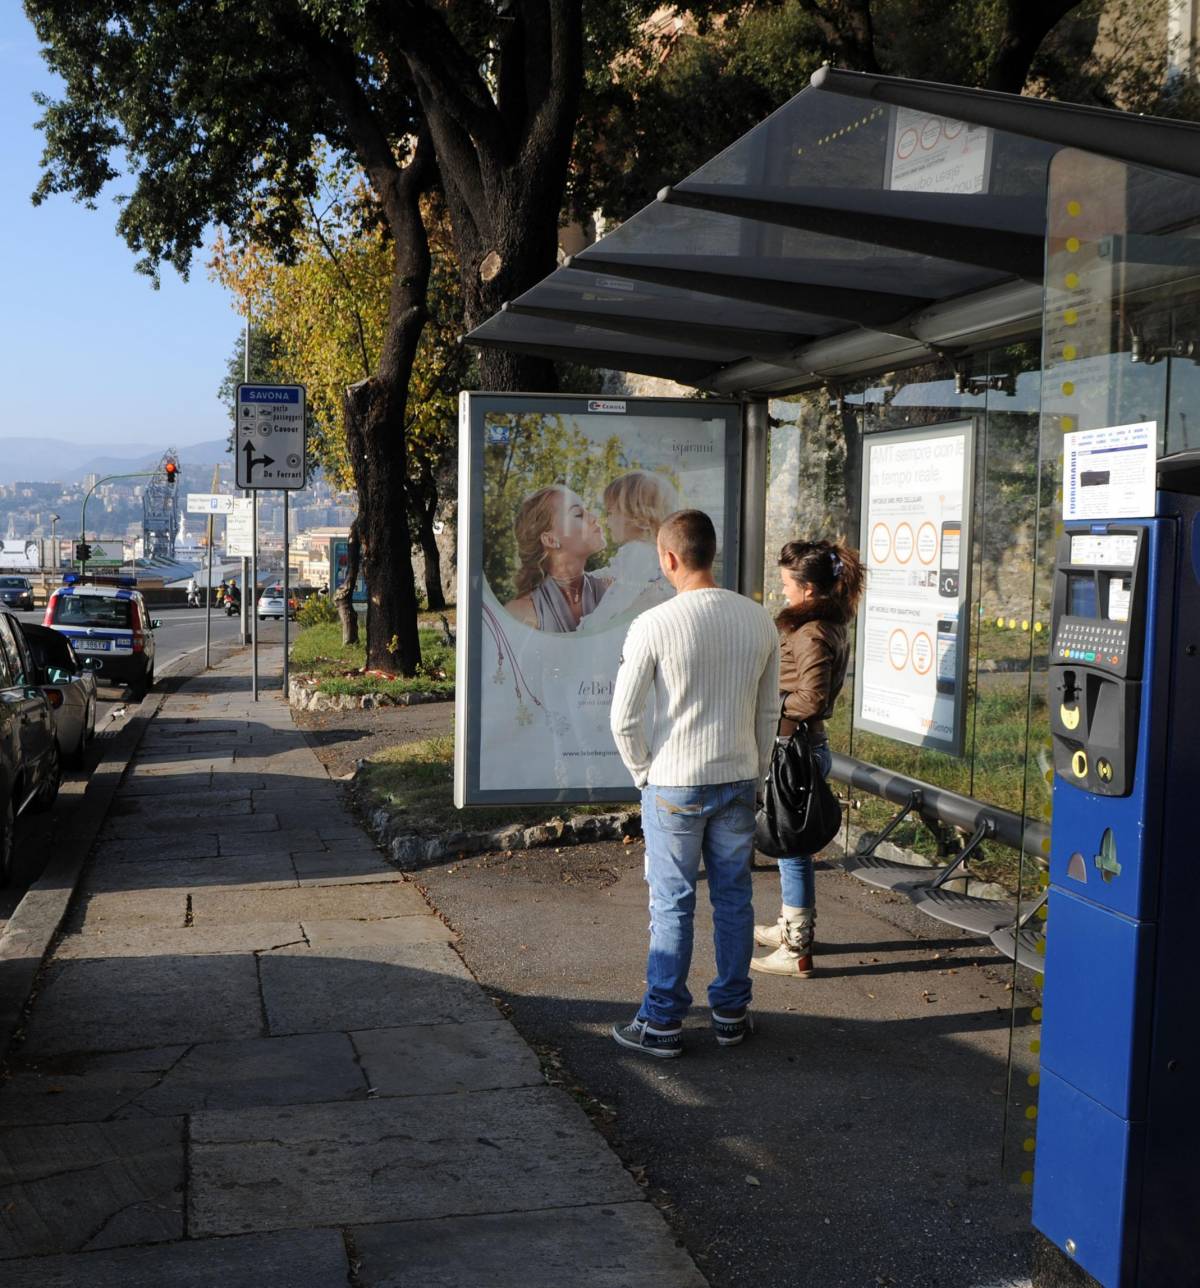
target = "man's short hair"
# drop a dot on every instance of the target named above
(690, 535)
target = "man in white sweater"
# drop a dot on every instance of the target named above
(694, 716)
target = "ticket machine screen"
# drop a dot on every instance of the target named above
(1098, 611)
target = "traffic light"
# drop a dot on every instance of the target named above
(171, 470)
(83, 552)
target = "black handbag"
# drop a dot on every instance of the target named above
(800, 815)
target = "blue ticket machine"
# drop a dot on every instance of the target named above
(1117, 1185)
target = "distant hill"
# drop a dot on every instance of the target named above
(55, 460)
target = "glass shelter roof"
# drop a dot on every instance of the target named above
(868, 223)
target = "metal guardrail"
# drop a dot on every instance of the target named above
(943, 805)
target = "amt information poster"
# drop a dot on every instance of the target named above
(560, 502)
(912, 627)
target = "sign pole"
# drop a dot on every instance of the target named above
(208, 601)
(243, 624)
(287, 597)
(252, 593)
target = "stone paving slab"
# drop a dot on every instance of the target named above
(183, 785)
(242, 841)
(343, 867)
(189, 805)
(416, 1158)
(339, 987)
(297, 1259)
(618, 1245)
(87, 1088)
(317, 904)
(379, 933)
(103, 911)
(170, 1081)
(125, 1002)
(169, 825)
(142, 849)
(195, 942)
(86, 1186)
(229, 873)
(479, 1056)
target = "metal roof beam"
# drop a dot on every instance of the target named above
(684, 371)
(1166, 144)
(988, 232)
(739, 341)
(823, 298)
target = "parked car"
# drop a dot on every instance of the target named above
(16, 593)
(30, 763)
(270, 604)
(106, 619)
(71, 687)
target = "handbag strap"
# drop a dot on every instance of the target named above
(798, 726)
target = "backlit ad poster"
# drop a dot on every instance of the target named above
(560, 502)
(913, 619)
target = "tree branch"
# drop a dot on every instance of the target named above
(335, 260)
(1026, 24)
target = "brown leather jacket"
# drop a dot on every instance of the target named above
(812, 669)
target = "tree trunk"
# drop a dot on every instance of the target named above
(1027, 24)
(374, 415)
(344, 595)
(433, 563)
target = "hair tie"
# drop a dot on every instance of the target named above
(835, 564)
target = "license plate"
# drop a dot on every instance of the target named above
(91, 646)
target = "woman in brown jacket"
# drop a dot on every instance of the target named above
(822, 582)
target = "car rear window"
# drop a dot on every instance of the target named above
(92, 610)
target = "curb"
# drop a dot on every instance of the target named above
(410, 850)
(36, 920)
(304, 696)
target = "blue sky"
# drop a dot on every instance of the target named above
(89, 351)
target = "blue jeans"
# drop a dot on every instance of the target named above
(796, 875)
(683, 825)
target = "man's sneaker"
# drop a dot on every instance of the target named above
(641, 1035)
(732, 1029)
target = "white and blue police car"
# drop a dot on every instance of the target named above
(105, 619)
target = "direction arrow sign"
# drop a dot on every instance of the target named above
(270, 436)
(210, 503)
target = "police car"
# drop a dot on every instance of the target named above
(106, 621)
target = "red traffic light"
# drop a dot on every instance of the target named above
(171, 470)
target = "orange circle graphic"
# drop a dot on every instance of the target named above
(898, 641)
(929, 543)
(922, 653)
(881, 543)
(904, 544)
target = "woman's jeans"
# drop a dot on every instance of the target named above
(683, 825)
(796, 874)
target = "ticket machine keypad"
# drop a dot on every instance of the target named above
(1095, 642)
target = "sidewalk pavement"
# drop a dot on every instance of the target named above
(255, 1058)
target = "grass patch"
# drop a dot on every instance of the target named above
(416, 782)
(319, 651)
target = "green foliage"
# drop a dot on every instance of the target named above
(317, 610)
(318, 650)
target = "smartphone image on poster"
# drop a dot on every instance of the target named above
(947, 655)
(951, 551)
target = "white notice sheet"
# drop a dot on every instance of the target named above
(1109, 473)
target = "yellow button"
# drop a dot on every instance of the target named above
(1079, 764)
(1070, 718)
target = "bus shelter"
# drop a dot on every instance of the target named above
(897, 278)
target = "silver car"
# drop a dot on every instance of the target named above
(70, 685)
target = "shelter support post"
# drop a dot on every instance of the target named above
(752, 530)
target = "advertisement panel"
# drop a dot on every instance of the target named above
(931, 153)
(20, 555)
(239, 529)
(912, 622)
(339, 563)
(560, 500)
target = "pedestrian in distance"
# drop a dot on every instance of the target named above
(693, 715)
(193, 592)
(822, 583)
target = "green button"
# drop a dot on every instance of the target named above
(1090, 657)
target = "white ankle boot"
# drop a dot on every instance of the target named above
(792, 939)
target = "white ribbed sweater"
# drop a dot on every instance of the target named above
(708, 662)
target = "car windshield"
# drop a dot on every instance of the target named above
(14, 583)
(92, 610)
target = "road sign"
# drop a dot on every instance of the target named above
(239, 537)
(269, 443)
(210, 503)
